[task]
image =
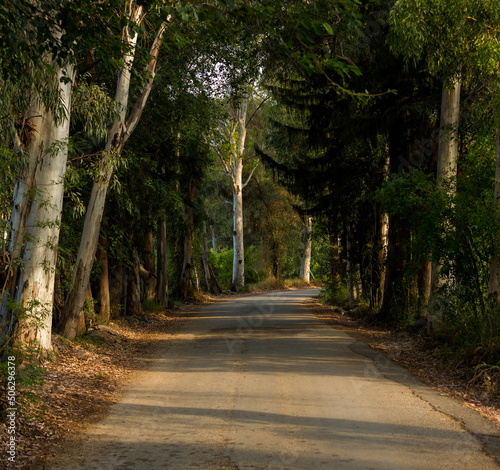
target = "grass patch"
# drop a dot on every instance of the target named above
(153, 307)
(271, 283)
(88, 340)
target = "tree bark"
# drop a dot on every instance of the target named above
(196, 279)
(104, 295)
(218, 289)
(383, 240)
(116, 287)
(133, 306)
(214, 239)
(204, 260)
(238, 278)
(305, 267)
(149, 264)
(446, 168)
(119, 133)
(185, 280)
(447, 150)
(351, 276)
(162, 284)
(206, 272)
(35, 221)
(89, 312)
(334, 251)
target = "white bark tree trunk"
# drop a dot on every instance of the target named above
(447, 166)
(238, 278)
(448, 138)
(234, 168)
(305, 267)
(35, 221)
(119, 133)
(447, 149)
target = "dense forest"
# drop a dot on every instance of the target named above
(154, 150)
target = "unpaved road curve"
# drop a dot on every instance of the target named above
(259, 383)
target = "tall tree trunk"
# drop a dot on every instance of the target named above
(204, 260)
(85, 259)
(35, 221)
(162, 284)
(214, 239)
(383, 243)
(275, 258)
(206, 272)
(351, 275)
(238, 279)
(447, 149)
(104, 295)
(395, 295)
(305, 266)
(119, 133)
(149, 265)
(86, 320)
(447, 165)
(494, 283)
(196, 279)
(185, 281)
(133, 306)
(424, 284)
(116, 288)
(358, 284)
(383, 239)
(335, 265)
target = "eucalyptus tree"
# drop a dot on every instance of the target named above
(39, 47)
(305, 265)
(119, 132)
(456, 41)
(230, 149)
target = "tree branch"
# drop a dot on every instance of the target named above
(255, 112)
(250, 176)
(140, 103)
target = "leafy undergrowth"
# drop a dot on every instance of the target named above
(475, 387)
(80, 380)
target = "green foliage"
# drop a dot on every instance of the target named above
(335, 293)
(27, 374)
(456, 230)
(222, 264)
(451, 36)
(151, 306)
(8, 164)
(94, 108)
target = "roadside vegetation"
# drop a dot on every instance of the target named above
(163, 152)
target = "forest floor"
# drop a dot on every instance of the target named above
(79, 381)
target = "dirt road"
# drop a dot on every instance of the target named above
(259, 383)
